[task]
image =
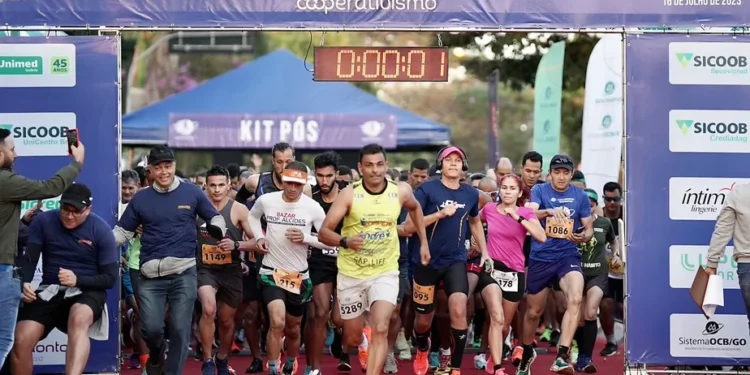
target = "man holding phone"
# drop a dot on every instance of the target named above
(15, 189)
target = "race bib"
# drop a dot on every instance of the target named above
(616, 270)
(288, 280)
(559, 229)
(331, 252)
(352, 308)
(508, 281)
(423, 295)
(214, 256)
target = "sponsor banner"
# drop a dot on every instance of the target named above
(380, 14)
(684, 261)
(673, 198)
(548, 102)
(722, 336)
(37, 65)
(709, 63)
(38, 129)
(708, 131)
(311, 131)
(601, 138)
(39, 134)
(699, 198)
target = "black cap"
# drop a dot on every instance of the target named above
(78, 196)
(562, 161)
(159, 154)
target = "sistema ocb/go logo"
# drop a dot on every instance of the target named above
(40, 135)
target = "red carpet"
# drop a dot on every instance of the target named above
(607, 366)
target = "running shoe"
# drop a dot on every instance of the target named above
(490, 367)
(289, 368)
(525, 368)
(278, 366)
(444, 366)
(344, 364)
(499, 371)
(562, 366)
(545, 335)
(308, 370)
(135, 362)
(609, 350)
(222, 366)
(256, 366)
(236, 348)
(516, 356)
(434, 361)
(422, 363)
(391, 366)
(329, 337)
(574, 352)
(480, 361)
(363, 353)
(585, 365)
(208, 367)
(554, 338)
(315, 372)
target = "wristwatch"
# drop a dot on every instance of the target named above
(520, 219)
(342, 242)
(236, 245)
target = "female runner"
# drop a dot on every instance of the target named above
(502, 287)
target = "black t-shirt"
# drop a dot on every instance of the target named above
(318, 197)
(616, 224)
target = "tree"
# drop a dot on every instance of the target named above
(517, 55)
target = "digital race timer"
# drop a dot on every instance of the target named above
(362, 64)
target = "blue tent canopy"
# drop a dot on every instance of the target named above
(276, 83)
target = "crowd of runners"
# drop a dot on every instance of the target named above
(364, 260)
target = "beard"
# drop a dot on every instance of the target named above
(325, 189)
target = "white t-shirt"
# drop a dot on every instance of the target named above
(280, 216)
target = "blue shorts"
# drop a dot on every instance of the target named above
(127, 286)
(543, 274)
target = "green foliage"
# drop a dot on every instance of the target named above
(517, 55)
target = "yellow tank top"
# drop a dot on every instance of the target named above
(375, 216)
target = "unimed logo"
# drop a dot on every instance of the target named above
(709, 63)
(685, 260)
(709, 131)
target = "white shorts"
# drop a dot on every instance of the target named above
(357, 295)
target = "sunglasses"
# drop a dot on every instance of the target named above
(612, 199)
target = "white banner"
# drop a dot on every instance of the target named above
(601, 137)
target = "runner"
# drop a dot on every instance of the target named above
(166, 212)
(508, 221)
(503, 168)
(450, 207)
(615, 292)
(323, 268)
(565, 213)
(220, 272)
(369, 250)
(595, 273)
(285, 283)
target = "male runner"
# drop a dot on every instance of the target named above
(503, 168)
(615, 292)
(565, 213)
(285, 283)
(220, 271)
(595, 272)
(323, 270)
(369, 250)
(450, 207)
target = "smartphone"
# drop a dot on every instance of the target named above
(580, 230)
(72, 136)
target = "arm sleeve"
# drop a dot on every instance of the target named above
(317, 221)
(17, 188)
(27, 263)
(722, 231)
(254, 220)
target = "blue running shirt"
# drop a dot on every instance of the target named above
(576, 202)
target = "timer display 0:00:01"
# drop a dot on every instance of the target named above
(391, 64)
